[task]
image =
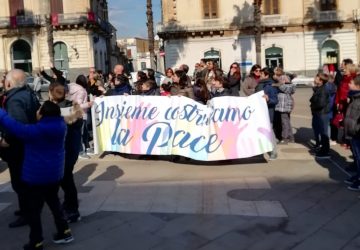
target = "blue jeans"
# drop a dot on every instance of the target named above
(320, 125)
(355, 146)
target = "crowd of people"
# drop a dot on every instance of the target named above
(41, 143)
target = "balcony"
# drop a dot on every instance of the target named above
(195, 26)
(69, 19)
(328, 16)
(81, 18)
(274, 20)
(20, 21)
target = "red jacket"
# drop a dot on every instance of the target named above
(342, 91)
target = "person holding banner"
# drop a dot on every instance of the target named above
(180, 85)
(252, 80)
(220, 86)
(121, 86)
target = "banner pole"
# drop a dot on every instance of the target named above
(95, 139)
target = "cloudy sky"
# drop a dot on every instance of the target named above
(129, 17)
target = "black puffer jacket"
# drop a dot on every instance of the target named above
(320, 101)
(352, 117)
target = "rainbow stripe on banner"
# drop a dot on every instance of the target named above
(226, 128)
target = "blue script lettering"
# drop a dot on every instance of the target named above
(124, 111)
(179, 138)
(120, 136)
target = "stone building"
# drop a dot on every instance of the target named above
(137, 52)
(302, 36)
(79, 32)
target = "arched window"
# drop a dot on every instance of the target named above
(21, 56)
(330, 53)
(274, 57)
(61, 59)
(213, 55)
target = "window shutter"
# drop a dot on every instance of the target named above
(16, 7)
(57, 6)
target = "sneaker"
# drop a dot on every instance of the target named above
(320, 155)
(283, 142)
(355, 186)
(272, 157)
(84, 156)
(19, 222)
(72, 217)
(351, 167)
(63, 238)
(332, 143)
(32, 246)
(90, 151)
(351, 180)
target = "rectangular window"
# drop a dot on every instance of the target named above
(271, 7)
(326, 5)
(57, 6)
(143, 65)
(16, 7)
(210, 9)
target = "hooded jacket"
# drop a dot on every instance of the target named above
(44, 148)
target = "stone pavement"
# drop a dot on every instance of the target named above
(294, 202)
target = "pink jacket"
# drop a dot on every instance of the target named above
(79, 95)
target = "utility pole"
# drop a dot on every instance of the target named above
(150, 26)
(257, 29)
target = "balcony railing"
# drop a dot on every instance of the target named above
(328, 16)
(196, 25)
(79, 19)
(69, 18)
(274, 20)
(20, 21)
(356, 15)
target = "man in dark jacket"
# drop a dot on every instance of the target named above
(21, 104)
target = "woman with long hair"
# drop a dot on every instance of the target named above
(180, 86)
(234, 78)
(252, 80)
(201, 93)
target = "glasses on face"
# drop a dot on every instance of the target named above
(257, 70)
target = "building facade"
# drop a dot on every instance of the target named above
(301, 36)
(78, 32)
(136, 50)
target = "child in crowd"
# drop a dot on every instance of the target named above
(165, 89)
(43, 169)
(285, 104)
(148, 88)
(219, 87)
(320, 107)
(271, 97)
(352, 130)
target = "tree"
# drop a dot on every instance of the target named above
(50, 37)
(150, 26)
(257, 29)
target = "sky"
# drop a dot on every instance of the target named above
(129, 17)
